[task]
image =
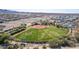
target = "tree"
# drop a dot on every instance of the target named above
(4, 37)
(23, 25)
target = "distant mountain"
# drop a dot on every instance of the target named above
(4, 11)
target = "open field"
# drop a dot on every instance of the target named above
(42, 34)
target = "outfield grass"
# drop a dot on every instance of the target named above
(42, 35)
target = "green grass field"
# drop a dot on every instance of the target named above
(42, 35)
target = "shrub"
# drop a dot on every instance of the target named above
(15, 46)
(54, 43)
(10, 47)
(77, 37)
(22, 46)
(44, 47)
(71, 43)
(36, 47)
(68, 42)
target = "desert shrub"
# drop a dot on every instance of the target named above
(77, 37)
(10, 47)
(22, 46)
(36, 47)
(63, 41)
(55, 43)
(15, 46)
(68, 42)
(44, 47)
(71, 43)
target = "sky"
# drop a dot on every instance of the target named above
(54, 6)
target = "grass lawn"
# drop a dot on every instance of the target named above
(42, 35)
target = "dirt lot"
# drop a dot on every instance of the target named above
(39, 26)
